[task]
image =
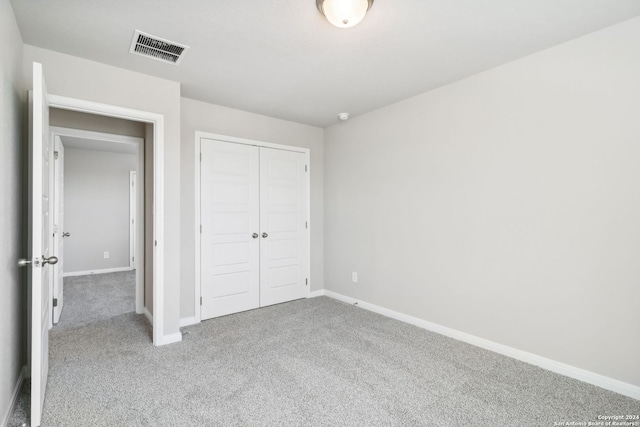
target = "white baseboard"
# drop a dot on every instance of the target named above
(147, 314)
(14, 397)
(608, 383)
(319, 293)
(169, 339)
(89, 272)
(165, 339)
(187, 321)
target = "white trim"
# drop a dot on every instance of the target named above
(133, 207)
(14, 397)
(608, 383)
(99, 136)
(100, 271)
(254, 142)
(198, 136)
(196, 195)
(158, 191)
(188, 321)
(147, 314)
(54, 171)
(315, 294)
(170, 339)
(140, 229)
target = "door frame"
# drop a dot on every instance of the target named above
(199, 135)
(157, 121)
(57, 131)
(134, 196)
(54, 208)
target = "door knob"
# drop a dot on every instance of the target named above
(23, 262)
(51, 260)
(254, 235)
(66, 234)
(265, 235)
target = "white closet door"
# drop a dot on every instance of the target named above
(230, 218)
(283, 216)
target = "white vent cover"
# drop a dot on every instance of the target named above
(156, 48)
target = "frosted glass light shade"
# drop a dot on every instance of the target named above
(344, 13)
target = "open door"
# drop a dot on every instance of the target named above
(39, 240)
(58, 228)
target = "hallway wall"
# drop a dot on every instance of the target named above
(96, 209)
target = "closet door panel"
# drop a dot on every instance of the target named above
(230, 266)
(283, 215)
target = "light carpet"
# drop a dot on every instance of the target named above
(314, 362)
(96, 297)
(87, 299)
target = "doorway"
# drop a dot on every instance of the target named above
(154, 199)
(95, 219)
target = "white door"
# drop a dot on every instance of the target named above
(39, 238)
(283, 222)
(230, 246)
(58, 231)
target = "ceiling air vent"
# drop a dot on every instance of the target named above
(157, 48)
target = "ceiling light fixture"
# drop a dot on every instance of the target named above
(344, 13)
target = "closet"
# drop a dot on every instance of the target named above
(254, 249)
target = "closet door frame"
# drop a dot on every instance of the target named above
(197, 188)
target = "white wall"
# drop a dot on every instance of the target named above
(505, 205)
(200, 116)
(12, 226)
(79, 78)
(96, 202)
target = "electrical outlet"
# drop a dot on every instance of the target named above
(106, 254)
(354, 277)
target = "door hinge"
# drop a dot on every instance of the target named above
(56, 155)
(133, 259)
(200, 228)
(55, 302)
(305, 168)
(200, 300)
(306, 224)
(155, 243)
(306, 281)
(131, 221)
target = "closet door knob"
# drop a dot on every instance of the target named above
(254, 235)
(265, 235)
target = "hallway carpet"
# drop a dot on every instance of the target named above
(313, 362)
(97, 297)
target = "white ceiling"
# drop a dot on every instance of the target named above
(282, 59)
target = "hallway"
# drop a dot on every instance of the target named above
(89, 299)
